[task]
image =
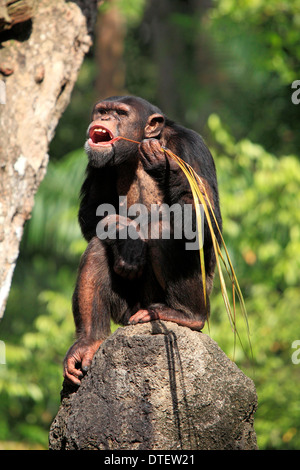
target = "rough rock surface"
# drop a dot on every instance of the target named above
(158, 386)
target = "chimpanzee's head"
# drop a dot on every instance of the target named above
(116, 117)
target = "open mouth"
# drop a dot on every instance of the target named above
(99, 135)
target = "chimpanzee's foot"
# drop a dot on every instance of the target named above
(163, 312)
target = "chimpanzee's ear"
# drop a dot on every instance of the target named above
(154, 125)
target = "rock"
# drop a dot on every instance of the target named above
(158, 386)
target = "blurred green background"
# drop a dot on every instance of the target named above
(225, 69)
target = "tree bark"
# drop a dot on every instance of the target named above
(43, 44)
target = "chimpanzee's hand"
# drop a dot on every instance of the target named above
(127, 244)
(154, 157)
(79, 355)
(129, 258)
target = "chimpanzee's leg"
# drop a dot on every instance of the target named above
(94, 301)
(178, 273)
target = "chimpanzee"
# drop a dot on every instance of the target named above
(137, 278)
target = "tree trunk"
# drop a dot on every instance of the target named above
(110, 35)
(43, 44)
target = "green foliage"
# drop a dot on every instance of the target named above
(32, 376)
(54, 227)
(260, 203)
(255, 47)
(275, 25)
(237, 59)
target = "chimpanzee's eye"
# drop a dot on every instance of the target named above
(121, 112)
